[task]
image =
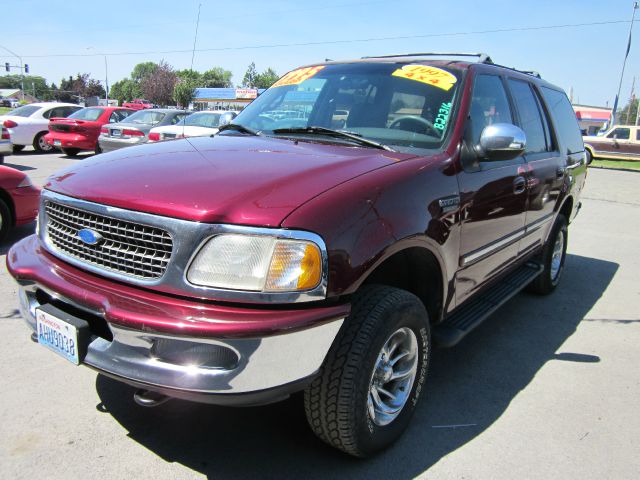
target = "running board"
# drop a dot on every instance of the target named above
(469, 316)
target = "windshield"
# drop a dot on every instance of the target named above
(145, 117)
(24, 111)
(90, 114)
(204, 119)
(405, 106)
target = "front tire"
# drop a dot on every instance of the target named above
(18, 148)
(5, 220)
(552, 258)
(370, 382)
(40, 145)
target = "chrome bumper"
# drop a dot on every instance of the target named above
(202, 365)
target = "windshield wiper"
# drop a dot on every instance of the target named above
(354, 137)
(238, 128)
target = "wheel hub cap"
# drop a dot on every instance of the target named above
(556, 257)
(393, 376)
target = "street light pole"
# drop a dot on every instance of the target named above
(624, 63)
(21, 69)
(106, 79)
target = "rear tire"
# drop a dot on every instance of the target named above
(18, 148)
(5, 220)
(552, 258)
(98, 150)
(344, 404)
(1, 159)
(40, 145)
(70, 152)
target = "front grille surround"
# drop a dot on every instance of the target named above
(187, 237)
(128, 248)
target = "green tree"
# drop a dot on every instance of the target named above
(184, 91)
(627, 114)
(188, 74)
(125, 90)
(31, 84)
(266, 78)
(249, 79)
(216, 77)
(142, 71)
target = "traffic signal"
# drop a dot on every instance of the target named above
(26, 68)
(6, 66)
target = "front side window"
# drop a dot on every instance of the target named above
(489, 105)
(404, 106)
(620, 134)
(204, 119)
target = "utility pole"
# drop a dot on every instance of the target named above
(21, 69)
(106, 80)
(624, 63)
(195, 39)
(631, 98)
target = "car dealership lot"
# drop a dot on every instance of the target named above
(546, 388)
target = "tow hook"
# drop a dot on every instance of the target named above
(147, 398)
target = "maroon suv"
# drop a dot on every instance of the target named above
(398, 202)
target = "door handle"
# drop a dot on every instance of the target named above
(519, 185)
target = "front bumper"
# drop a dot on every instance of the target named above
(186, 349)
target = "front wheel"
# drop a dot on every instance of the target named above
(552, 258)
(5, 220)
(40, 144)
(370, 382)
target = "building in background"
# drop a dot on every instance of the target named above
(591, 119)
(16, 94)
(224, 98)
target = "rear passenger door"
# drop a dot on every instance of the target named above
(544, 169)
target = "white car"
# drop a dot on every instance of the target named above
(5, 143)
(199, 124)
(30, 123)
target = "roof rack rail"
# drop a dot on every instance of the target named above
(533, 73)
(482, 57)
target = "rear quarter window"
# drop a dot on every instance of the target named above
(564, 120)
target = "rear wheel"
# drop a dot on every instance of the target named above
(370, 382)
(98, 150)
(1, 158)
(5, 220)
(40, 145)
(552, 257)
(70, 152)
(18, 148)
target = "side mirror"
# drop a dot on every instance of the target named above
(501, 141)
(226, 118)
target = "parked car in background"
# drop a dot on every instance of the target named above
(621, 142)
(138, 104)
(198, 124)
(30, 123)
(19, 200)
(80, 130)
(135, 128)
(6, 147)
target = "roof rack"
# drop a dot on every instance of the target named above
(482, 57)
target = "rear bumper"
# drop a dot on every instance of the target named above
(70, 140)
(108, 144)
(186, 349)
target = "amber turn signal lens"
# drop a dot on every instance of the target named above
(295, 265)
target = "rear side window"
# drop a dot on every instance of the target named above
(564, 120)
(489, 105)
(529, 113)
(24, 111)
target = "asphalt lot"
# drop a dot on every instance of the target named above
(547, 388)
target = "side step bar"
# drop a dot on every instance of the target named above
(464, 319)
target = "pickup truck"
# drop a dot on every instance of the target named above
(326, 252)
(137, 104)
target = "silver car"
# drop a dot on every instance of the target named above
(135, 129)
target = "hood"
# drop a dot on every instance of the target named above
(224, 179)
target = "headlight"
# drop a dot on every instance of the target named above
(257, 263)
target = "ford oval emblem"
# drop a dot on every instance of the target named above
(90, 237)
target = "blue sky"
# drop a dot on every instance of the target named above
(587, 59)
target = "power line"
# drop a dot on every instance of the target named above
(334, 42)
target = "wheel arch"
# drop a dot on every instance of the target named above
(6, 198)
(416, 269)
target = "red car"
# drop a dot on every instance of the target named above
(18, 200)
(80, 130)
(138, 104)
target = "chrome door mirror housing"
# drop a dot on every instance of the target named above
(502, 141)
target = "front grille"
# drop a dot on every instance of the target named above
(128, 248)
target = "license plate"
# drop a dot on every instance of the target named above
(58, 335)
(115, 133)
(57, 143)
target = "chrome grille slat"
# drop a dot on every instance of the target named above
(128, 248)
